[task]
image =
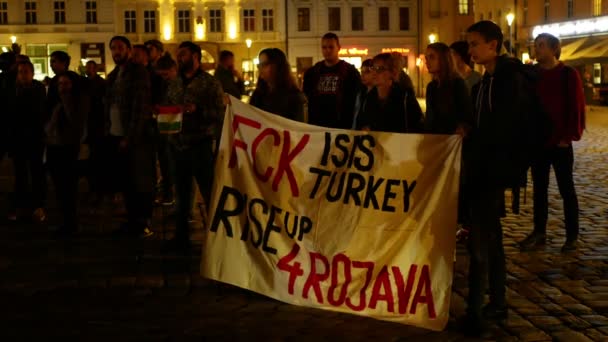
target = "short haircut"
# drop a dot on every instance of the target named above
(389, 62)
(553, 42)
(195, 49)
(368, 63)
(225, 54)
(27, 63)
(61, 56)
(92, 62)
(165, 62)
(142, 47)
(330, 36)
(156, 43)
(461, 48)
(489, 31)
(122, 39)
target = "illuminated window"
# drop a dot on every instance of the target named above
(597, 7)
(59, 8)
(463, 7)
(183, 21)
(150, 21)
(30, 12)
(248, 20)
(303, 19)
(215, 20)
(335, 21)
(383, 19)
(130, 22)
(268, 20)
(357, 18)
(91, 11)
(3, 13)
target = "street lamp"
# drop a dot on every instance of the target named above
(432, 38)
(13, 39)
(510, 18)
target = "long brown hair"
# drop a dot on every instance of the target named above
(447, 67)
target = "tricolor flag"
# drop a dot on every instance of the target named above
(169, 119)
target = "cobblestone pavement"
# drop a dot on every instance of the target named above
(95, 288)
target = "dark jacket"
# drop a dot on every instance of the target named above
(501, 106)
(331, 93)
(229, 85)
(133, 99)
(26, 122)
(447, 107)
(7, 99)
(289, 103)
(156, 85)
(205, 92)
(401, 112)
(96, 119)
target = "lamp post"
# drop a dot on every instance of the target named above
(250, 69)
(510, 18)
(432, 38)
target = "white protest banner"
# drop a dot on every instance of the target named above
(356, 222)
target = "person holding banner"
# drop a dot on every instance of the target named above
(191, 149)
(277, 91)
(495, 148)
(389, 107)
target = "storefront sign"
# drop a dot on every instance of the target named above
(574, 28)
(353, 52)
(349, 221)
(400, 50)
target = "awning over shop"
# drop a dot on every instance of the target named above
(595, 53)
(571, 48)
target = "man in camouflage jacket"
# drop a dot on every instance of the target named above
(191, 150)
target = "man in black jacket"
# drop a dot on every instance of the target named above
(495, 161)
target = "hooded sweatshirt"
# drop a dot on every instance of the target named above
(497, 147)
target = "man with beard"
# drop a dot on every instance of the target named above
(132, 136)
(191, 150)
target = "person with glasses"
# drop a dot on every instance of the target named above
(277, 91)
(389, 107)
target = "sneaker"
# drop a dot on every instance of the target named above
(533, 240)
(39, 215)
(494, 312)
(146, 232)
(570, 245)
(165, 200)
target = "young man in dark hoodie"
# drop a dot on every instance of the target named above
(494, 161)
(331, 87)
(560, 91)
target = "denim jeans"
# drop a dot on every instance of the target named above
(562, 160)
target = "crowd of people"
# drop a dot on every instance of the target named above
(512, 118)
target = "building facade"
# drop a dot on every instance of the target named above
(581, 25)
(366, 28)
(83, 28)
